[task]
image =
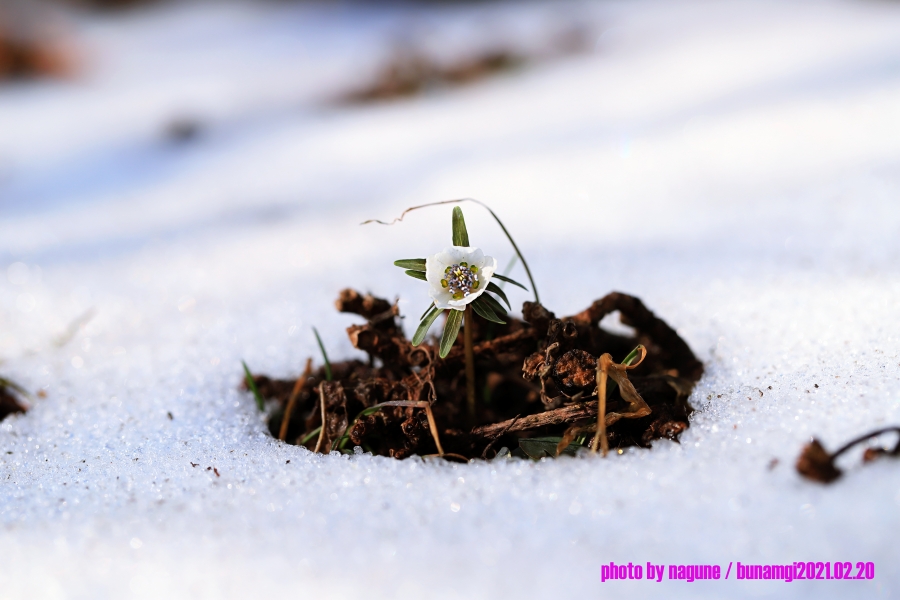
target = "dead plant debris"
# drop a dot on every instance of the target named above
(537, 382)
(10, 398)
(411, 71)
(817, 464)
(33, 43)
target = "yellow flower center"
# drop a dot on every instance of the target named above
(460, 280)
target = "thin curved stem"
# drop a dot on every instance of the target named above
(600, 436)
(863, 438)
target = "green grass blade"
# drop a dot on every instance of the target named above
(498, 308)
(460, 234)
(451, 331)
(509, 267)
(346, 437)
(417, 275)
(310, 435)
(252, 386)
(484, 310)
(413, 264)
(489, 330)
(324, 355)
(425, 325)
(508, 280)
(515, 247)
(495, 289)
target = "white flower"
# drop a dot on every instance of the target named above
(458, 275)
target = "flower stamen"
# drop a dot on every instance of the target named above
(461, 280)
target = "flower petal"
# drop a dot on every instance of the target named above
(488, 268)
(436, 265)
(474, 256)
(442, 298)
(452, 255)
(461, 303)
(434, 269)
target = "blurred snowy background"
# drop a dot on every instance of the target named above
(181, 187)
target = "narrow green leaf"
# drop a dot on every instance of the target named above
(342, 441)
(427, 310)
(498, 308)
(252, 385)
(495, 289)
(324, 356)
(632, 356)
(451, 330)
(508, 280)
(425, 325)
(414, 264)
(484, 310)
(460, 234)
(417, 275)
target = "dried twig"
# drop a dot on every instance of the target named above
(322, 408)
(571, 433)
(298, 387)
(500, 435)
(636, 405)
(602, 374)
(565, 414)
(433, 426)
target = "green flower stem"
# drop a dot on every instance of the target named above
(470, 363)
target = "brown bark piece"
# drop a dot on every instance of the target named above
(335, 408)
(575, 371)
(570, 413)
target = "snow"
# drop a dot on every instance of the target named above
(733, 164)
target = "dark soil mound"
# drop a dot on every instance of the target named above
(536, 379)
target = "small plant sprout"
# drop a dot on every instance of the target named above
(459, 279)
(251, 385)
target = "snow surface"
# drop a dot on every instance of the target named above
(736, 165)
